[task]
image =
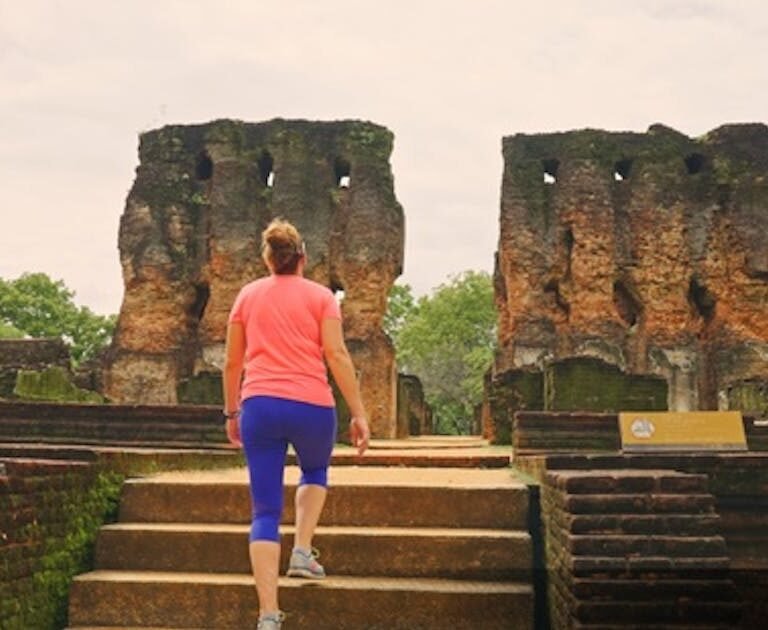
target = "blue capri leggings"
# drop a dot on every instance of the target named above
(267, 426)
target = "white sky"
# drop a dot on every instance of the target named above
(79, 79)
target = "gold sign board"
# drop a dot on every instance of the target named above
(682, 431)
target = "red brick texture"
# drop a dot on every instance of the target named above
(628, 548)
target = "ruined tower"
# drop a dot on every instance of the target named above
(190, 238)
(644, 255)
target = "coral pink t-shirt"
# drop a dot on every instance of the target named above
(281, 316)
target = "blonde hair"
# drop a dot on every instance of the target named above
(282, 246)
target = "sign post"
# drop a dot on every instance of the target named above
(670, 431)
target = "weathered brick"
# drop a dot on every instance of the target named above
(659, 612)
(630, 545)
(698, 525)
(675, 484)
(637, 503)
(645, 589)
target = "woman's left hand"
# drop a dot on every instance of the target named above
(233, 431)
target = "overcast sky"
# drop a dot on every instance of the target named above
(80, 79)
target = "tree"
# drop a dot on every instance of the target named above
(35, 305)
(401, 306)
(448, 340)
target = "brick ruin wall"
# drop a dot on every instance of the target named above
(643, 255)
(190, 239)
(28, 354)
(50, 512)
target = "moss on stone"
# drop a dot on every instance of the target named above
(202, 389)
(587, 384)
(510, 392)
(7, 382)
(751, 396)
(53, 383)
(41, 600)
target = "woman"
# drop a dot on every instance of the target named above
(276, 392)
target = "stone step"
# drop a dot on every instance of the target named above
(431, 442)
(683, 625)
(376, 497)
(665, 566)
(655, 589)
(605, 482)
(652, 524)
(437, 458)
(228, 601)
(659, 612)
(636, 503)
(392, 552)
(654, 545)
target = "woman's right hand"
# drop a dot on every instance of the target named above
(232, 427)
(359, 433)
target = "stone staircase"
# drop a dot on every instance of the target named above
(406, 547)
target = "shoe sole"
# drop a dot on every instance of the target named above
(304, 573)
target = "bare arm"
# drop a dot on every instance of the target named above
(232, 375)
(343, 370)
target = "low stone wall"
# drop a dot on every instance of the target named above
(584, 383)
(153, 425)
(634, 547)
(50, 512)
(546, 432)
(52, 503)
(28, 354)
(738, 483)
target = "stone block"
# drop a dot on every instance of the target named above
(505, 394)
(53, 383)
(588, 384)
(750, 396)
(204, 388)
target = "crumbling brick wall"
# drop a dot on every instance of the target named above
(190, 238)
(646, 252)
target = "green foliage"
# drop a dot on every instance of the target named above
(38, 306)
(10, 332)
(401, 306)
(447, 339)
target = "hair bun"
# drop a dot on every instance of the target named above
(282, 245)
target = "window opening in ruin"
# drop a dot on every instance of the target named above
(338, 290)
(202, 294)
(204, 167)
(550, 170)
(266, 169)
(695, 163)
(701, 299)
(621, 170)
(342, 170)
(627, 303)
(553, 288)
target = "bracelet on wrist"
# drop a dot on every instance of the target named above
(229, 415)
